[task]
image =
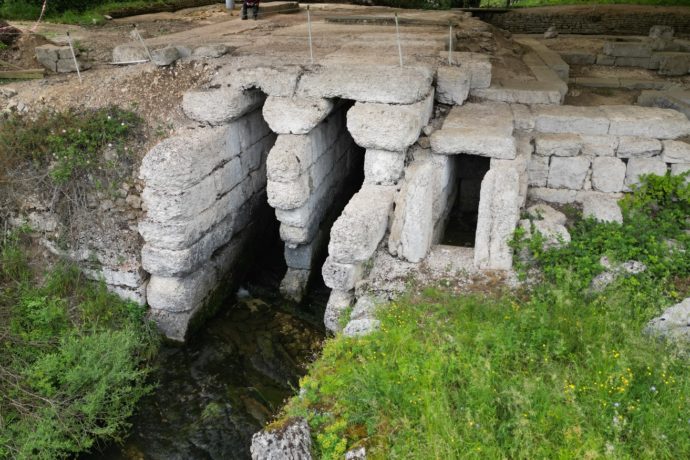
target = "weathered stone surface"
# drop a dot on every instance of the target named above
(129, 53)
(602, 208)
(294, 284)
(341, 277)
(180, 294)
(273, 80)
(452, 85)
(568, 172)
(649, 122)
(604, 59)
(522, 92)
(338, 303)
(629, 61)
(555, 235)
(639, 166)
(289, 442)
(211, 51)
(478, 65)
(487, 142)
(538, 171)
(497, 115)
(673, 64)
(499, 210)
(608, 174)
(292, 115)
(382, 167)
(368, 83)
(546, 213)
(600, 146)
(627, 49)
(637, 147)
(165, 56)
(571, 119)
(561, 145)
(523, 118)
(673, 323)
(388, 127)
(676, 152)
(361, 327)
(220, 106)
(680, 168)
(552, 195)
(413, 225)
(615, 271)
(361, 226)
(658, 31)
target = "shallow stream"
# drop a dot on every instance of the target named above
(217, 390)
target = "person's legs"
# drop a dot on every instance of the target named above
(256, 11)
(244, 10)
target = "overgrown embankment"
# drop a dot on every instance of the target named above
(556, 369)
(72, 357)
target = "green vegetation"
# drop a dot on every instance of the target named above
(72, 358)
(69, 145)
(551, 371)
(79, 11)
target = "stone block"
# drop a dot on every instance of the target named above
(626, 120)
(302, 255)
(382, 167)
(603, 59)
(293, 115)
(388, 127)
(643, 62)
(681, 168)
(68, 65)
(665, 32)
(368, 83)
(523, 92)
(211, 51)
(627, 49)
(551, 195)
(602, 208)
(478, 65)
(342, 277)
(129, 53)
(289, 442)
(165, 56)
(488, 142)
(338, 303)
(571, 119)
(561, 145)
(413, 225)
(496, 115)
(673, 64)
(608, 174)
(272, 79)
(640, 166)
(361, 327)
(294, 284)
(452, 85)
(523, 118)
(220, 106)
(538, 171)
(180, 294)
(361, 226)
(600, 146)
(637, 147)
(568, 172)
(289, 195)
(499, 211)
(578, 57)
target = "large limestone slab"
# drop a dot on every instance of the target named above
(608, 174)
(496, 115)
(568, 172)
(570, 119)
(477, 64)
(673, 323)
(361, 226)
(522, 92)
(652, 122)
(368, 83)
(338, 303)
(291, 442)
(413, 226)
(538, 171)
(295, 115)
(388, 127)
(499, 211)
(599, 145)
(342, 277)
(560, 145)
(627, 49)
(602, 207)
(220, 106)
(640, 166)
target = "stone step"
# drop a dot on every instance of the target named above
(677, 100)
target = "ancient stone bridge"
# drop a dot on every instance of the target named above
(393, 148)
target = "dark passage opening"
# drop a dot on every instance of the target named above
(461, 225)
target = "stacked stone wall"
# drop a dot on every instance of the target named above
(202, 191)
(594, 23)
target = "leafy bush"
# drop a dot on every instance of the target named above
(72, 360)
(557, 371)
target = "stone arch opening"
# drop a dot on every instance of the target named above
(461, 223)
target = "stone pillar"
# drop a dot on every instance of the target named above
(202, 188)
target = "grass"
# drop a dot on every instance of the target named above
(23, 10)
(555, 371)
(72, 358)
